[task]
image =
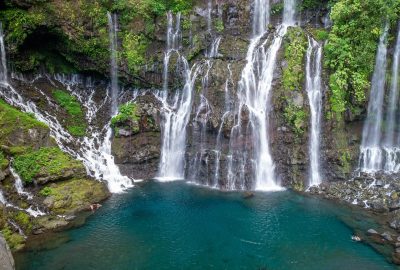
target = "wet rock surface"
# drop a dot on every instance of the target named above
(6, 258)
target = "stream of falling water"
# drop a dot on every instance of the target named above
(391, 145)
(314, 91)
(112, 30)
(176, 107)
(254, 100)
(371, 156)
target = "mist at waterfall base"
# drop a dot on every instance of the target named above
(181, 226)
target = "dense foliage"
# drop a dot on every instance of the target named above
(351, 48)
(79, 31)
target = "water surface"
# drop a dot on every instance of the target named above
(180, 226)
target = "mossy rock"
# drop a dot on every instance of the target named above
(14, 240)
(21, 130)
(75, 195)
(47, 164)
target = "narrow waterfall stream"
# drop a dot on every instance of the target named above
(176, 107)
(391, 144)
(371, 156)
(112, 31)
(314, 91)
(3, 68)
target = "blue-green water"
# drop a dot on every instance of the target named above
(179, 226)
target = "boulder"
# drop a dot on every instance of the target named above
(6, 258)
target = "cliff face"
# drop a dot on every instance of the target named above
(79, 43)
(289, 129)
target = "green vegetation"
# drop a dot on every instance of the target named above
(219, 25)
(46, 191)
(78, 31)
(134, 51)
(351, 48)
(13, 121)
(14, 240)
(3, 161)
(276, 8)
(295, 49)
(295, 45)
(76, 124)
(127, 117)
(296, 117)
(47, 161)
(23, 220)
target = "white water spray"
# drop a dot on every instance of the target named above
(3, 67)
(314, 91)
(371, 151)
(112, 30)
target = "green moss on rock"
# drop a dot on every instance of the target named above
(75, 195)
(47, 164)
(14, 240)
(3, 161)
(75, 122)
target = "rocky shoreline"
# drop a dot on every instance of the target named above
(377, 197)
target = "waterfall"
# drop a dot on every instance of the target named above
(314, 91)
(95, 149)
(209, 12)
(19, 185)
(176, 108)
(2, 199)
(3, 67)
(261, 16)
(213, 51)
(176, 115)
(371, 151)
(254, 100)
(390, 145)
(112, 31)
(174, 36)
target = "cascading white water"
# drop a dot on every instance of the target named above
(176, 114)
(371, 151)
(2, 199)
(19, 186)
(260, 16)
(213, 52)
(314, 91)
(176, 108)
(209, 13)
(3, 67)
(391, 145)
(112, 31)
(174, 36)
(95, 150)
(254, 97)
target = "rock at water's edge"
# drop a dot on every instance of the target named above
(6, 259)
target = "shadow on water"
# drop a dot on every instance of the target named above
(179, 226)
